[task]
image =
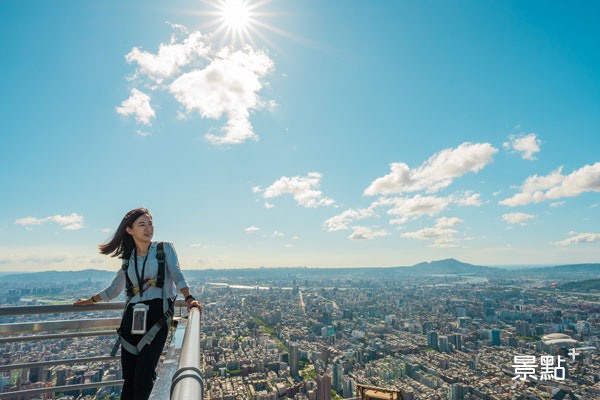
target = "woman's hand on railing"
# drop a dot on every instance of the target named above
(194, 303)
(84, 302)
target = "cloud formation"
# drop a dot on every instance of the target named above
(579, 238)
(251, 229)
(441, 232)
(436, 173)
(341, 221)
(527, 145)
(71, 222)
(366, 233)
(405, 208)
(302, 188)
(215, 83)
(555, 185)
(170, 57)
(517, 218)
(138, 105)
(229, 86)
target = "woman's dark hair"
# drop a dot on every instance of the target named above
(121, 245)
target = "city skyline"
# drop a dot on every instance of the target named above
(302, 134)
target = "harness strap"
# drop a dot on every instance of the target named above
(165, 319)
(160, 256)
(149, 282)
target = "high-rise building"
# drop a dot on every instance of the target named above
(294, 359)
(338, 375)
(323, 387)
(432, 340)
(457, 340)
(522, 328)
(443, 344)
(495, 334)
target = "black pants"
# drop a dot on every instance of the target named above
(139, 371)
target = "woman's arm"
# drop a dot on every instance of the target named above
(180, 282)
(112, 291)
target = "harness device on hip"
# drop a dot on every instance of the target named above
(140, 311)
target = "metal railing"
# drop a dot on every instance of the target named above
(188, 382)
(81, 328)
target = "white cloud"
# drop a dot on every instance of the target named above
(527, 145)
(170, 57)
(251, 229)
(467, 198)
(288, 245)
(555, 185)
(341, 221)
(295, 238)
(142, 133)
(594, 205)
(137, 104)
(429, 233)
(71, 222)
(497, 193)
(256, 189)
(366, 233)
(405, 208)
(445, 222)
(441, 232)
(272, 105)
(580, 238)
(557, 203)
(302, 188)
(436, 173)
(229, 86)
(517, 218)
(269, 205)
(277, 234)
(106, 230)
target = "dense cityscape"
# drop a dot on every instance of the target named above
(304, 334)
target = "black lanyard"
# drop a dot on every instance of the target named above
(140, 279)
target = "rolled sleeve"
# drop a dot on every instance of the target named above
(115, 288)
(174, 269)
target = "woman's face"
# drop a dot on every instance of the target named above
(142, 229)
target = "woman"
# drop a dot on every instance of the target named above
(132, 242)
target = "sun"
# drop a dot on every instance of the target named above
(239, 22)
(235, 14)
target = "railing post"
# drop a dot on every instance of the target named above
(188, 383)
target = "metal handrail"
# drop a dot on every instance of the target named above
(188, 382)
(12, 339)
(64, 361)
(53, 389)
(68, 308)
(64, 325)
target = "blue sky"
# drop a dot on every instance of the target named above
(350, 133)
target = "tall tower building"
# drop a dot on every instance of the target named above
(432, 340)
(443, 344)
(338, 375)
(323, 387)
(294, 359)
(522, 328)
(495, 334)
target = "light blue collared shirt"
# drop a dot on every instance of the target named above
(174, 279)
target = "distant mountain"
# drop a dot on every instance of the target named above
(448, 266)
(566, 269)
(54, 276)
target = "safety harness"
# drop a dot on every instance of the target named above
(165, 319)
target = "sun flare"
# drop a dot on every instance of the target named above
(235, 14)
